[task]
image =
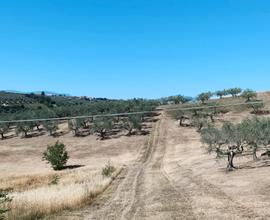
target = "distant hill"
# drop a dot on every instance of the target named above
(48, 93)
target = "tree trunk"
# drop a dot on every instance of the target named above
(102, 134)
(231, 155)
(181, 122)
(212, 118)
(254, 151)
(2, 136)
(200, 127)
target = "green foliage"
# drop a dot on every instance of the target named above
(4, 200)
(51, 127)
(250, 134)
(108, 170)
(205, 96)
(55, 180)
(234, 91)
(256, 107)
(56, 155)
(249, 94)
(221, 93)
(179, 116)
(4, 128)
(199, 121)
(178, 99)
(24, 128)
(102, 125)
(132, 122)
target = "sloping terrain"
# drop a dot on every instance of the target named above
(174, 178)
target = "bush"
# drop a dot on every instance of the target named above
(56, 155)
(55, 180)
(108, 170)
(4, 199)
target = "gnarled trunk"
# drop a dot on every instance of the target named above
(254, 151)
(230, 165)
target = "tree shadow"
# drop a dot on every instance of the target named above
(72, 167)
(59, 134)
(8, 137)
(256, 164)
(35, 134)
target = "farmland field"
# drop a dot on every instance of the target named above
(166, 174)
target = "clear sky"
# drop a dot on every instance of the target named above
(134, 48)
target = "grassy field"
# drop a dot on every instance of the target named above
(29, 178)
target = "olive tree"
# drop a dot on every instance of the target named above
(102, 126)
(76, 126)
(234, 91)
(24, 128)
(180, 116)
(249, 94)
(4, 128)
(225, 141)
(221, 93)
(51, 127)
(131, 123)
(205, 96)
(256, 107)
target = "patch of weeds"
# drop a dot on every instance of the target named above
(108, 170)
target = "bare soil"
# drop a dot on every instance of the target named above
(174, 178)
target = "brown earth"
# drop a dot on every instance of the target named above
(167, 175)
(173, 178)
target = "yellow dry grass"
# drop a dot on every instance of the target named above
(75, 189)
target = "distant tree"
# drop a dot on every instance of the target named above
(4, 128)
(75, 126)
(131, 123)
(199, 121)
(24, 128)
(102, 126)
(248, 94)
(221, 93)
(56, 155)
(51, 127)
(203, 97)
(234, 91)
(257, 107)
(179, 99)
(180, 116)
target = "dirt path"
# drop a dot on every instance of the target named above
(160, 185)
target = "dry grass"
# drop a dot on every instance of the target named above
(74, 190)
(28, 177)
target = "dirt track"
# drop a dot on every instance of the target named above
(163, 183)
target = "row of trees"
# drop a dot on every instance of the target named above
(247, 94)
(80, 127)
(197, 117)
(234, 139)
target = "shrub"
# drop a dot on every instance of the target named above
(4, 199)
(55, 180)
(56, 155)
(108, 170)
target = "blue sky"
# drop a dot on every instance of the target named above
(135, 48)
